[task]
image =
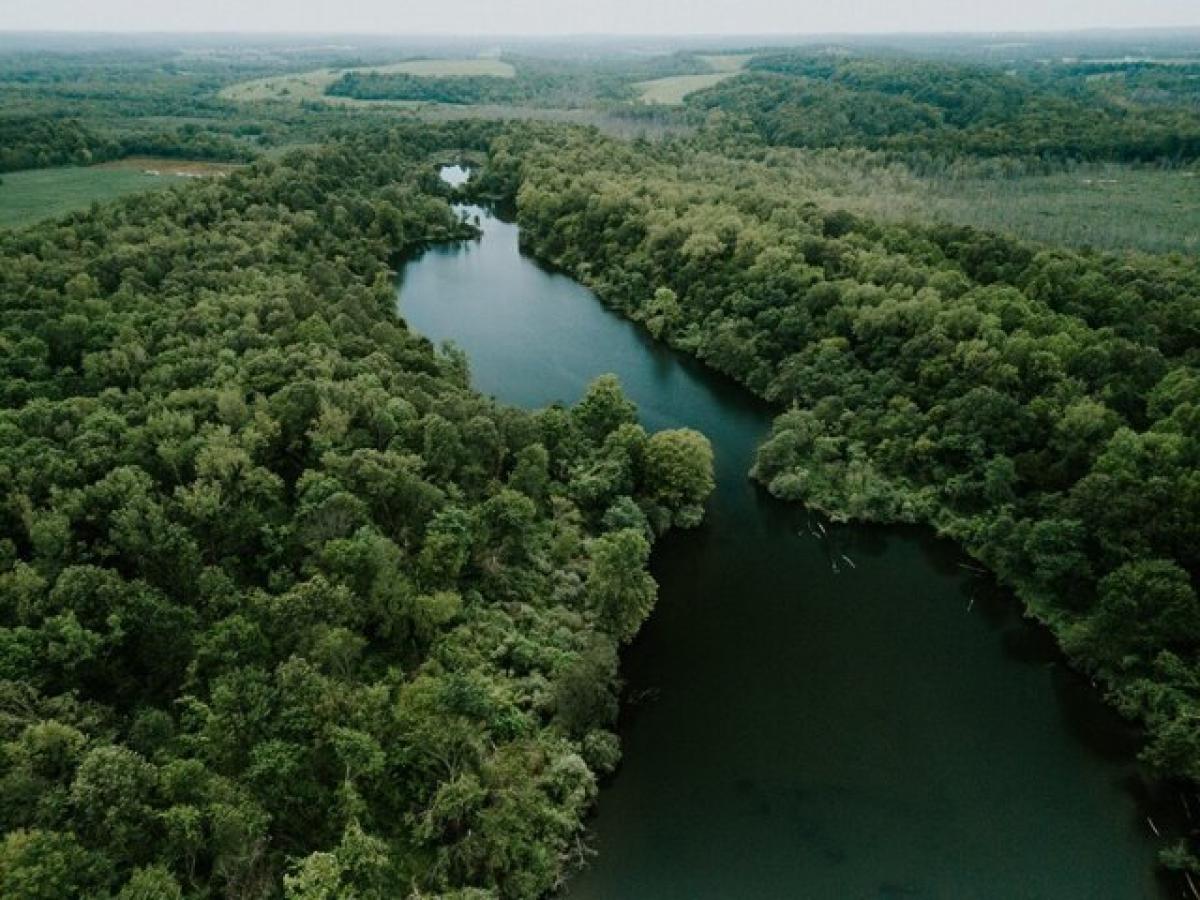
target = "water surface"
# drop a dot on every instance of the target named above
(853, 714)
(455, 175)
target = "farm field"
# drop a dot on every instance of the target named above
(312, 85)
(671, 90)
(35, 194)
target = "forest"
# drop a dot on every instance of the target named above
(35, 143)
(932, 110)
(287, 609)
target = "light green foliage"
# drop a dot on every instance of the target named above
(663, 313)
(31, 196)
(618, 586)
(317, 877)
(679, 464)
(151, 883)
(358, 869)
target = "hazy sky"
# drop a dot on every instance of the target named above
(473, 17)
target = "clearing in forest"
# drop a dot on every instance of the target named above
(1109, 207)
(671, 90)
(35, 194)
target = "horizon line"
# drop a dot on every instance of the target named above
(460, 36)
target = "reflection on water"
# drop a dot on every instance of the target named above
(823, 711)
(455, 176)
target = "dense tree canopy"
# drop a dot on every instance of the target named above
(926, 110)
(285, 608)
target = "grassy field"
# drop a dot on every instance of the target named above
(671, 90)
(36, 194)
(1111, 208)
(312, 85)
(1107, 207)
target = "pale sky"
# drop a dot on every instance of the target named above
(559, 17)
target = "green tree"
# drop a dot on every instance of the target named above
(1142, 607)
(151, 883)
(47, 865)
(619, 588)
(603, 409)
(679, 473)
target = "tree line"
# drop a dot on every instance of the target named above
(36, 142)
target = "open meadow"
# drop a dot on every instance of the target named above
(671, 90)
(1105, 207)
(35, 194)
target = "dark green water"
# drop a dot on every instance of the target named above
(798, 727)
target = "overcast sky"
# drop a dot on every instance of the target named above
(476, 17)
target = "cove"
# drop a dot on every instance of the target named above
(812, 710)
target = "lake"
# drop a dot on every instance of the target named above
(813, 710)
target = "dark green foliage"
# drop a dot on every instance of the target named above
(285, 608)
(28, 142)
